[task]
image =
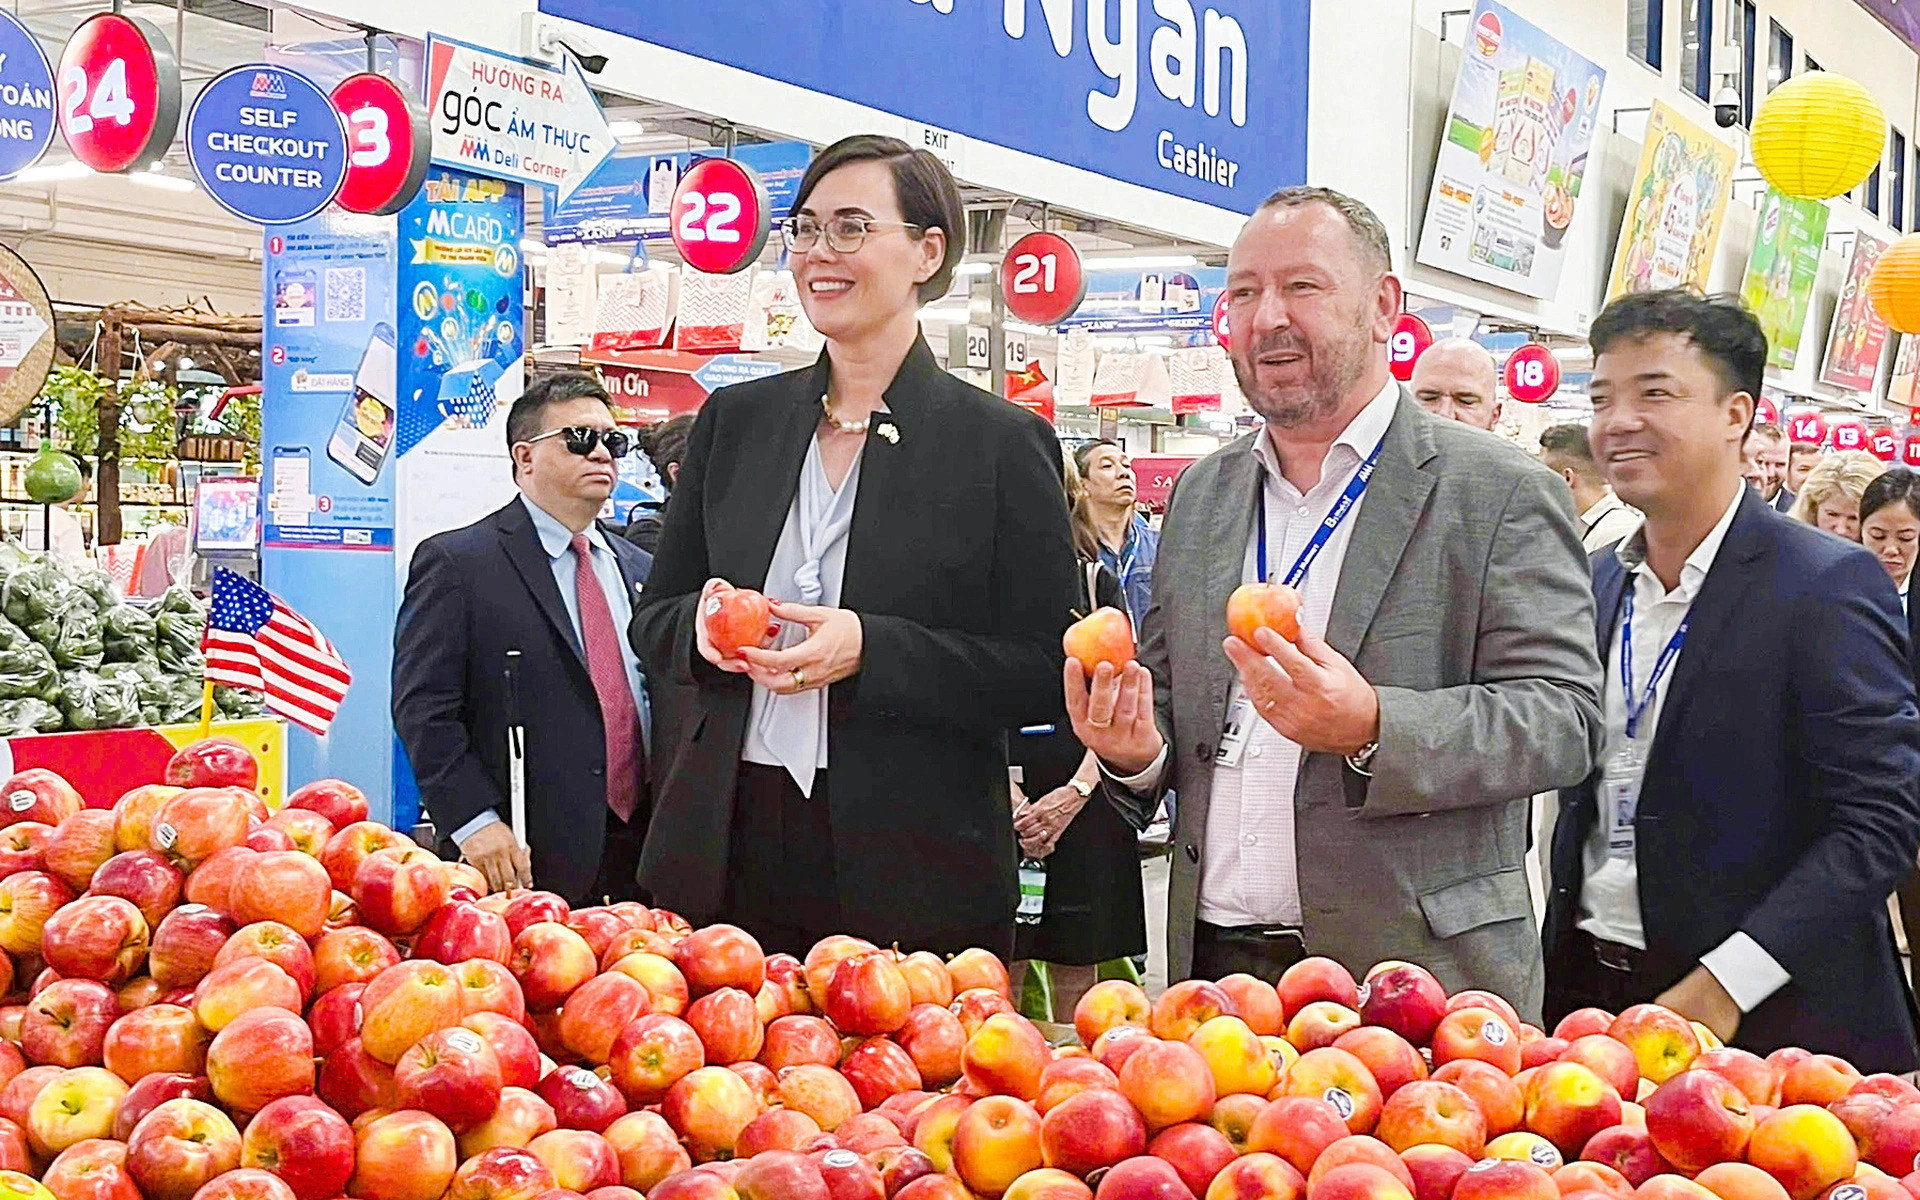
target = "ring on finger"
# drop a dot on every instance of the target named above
(799, 677)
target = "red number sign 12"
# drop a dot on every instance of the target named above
(388, 144)
(119, 93)
(720, 216)
(1883, 444)
(1532, 373)
(1410, 340)
(1042, 278)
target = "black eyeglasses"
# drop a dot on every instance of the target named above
(581, 439)
(845, 234)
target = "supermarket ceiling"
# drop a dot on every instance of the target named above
(1901, 16)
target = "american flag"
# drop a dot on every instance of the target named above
(255, 642)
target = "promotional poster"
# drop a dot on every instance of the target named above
(1859, 335)
(460, 347)
(1778, 284)
(1676, 208)
(1515, 152)
(1903, 386)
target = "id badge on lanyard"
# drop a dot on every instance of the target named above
(1626, 765)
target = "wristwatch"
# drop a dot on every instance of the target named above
(1361, 760)
(1082, 786)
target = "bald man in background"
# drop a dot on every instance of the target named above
(1457, 379)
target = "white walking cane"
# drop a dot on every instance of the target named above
(516, 752)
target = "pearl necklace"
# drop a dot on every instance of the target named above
(856, 427)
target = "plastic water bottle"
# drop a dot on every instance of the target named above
(1033, 891)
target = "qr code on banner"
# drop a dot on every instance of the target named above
(346, 294)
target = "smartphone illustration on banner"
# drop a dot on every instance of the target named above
(365, 433)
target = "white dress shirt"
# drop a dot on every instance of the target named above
(1249, 875)
(1610, 898)
(1607, 523)
(557, 540)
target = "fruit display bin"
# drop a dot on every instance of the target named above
(105, 764)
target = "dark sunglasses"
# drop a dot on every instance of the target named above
(581, 439)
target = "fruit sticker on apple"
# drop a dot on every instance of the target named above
(736, 618)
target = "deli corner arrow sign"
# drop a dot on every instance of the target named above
(513, 118)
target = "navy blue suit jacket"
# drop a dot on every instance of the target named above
(473, 594)
(1782, 791)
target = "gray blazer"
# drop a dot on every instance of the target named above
(1465, 600)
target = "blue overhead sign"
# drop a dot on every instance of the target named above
(627, 199)
(26, 98)
(267, 145)
(1208, 102)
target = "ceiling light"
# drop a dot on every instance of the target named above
(532, 247)
(626, 130)
(974, 268)
(1142, 262)
(53, 174)
(167, 183)
(952, 316)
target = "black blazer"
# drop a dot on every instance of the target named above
(1782, 792)
(961, 566)
(472, 595)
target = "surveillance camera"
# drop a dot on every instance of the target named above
(585, 51)
(1726, 108)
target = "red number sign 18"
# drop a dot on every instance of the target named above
(119, 85)
(720, 216)
(1532, 373)
(1042, 279)
(1410, 340)
(388, 143)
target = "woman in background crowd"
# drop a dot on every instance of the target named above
(1830, 496)
(1890, 527)
(665, 444)
(1095, 910)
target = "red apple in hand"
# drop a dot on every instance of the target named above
(734, 618)
(1255, 606)
(338, 801)
(212, 763)
(1103, 636)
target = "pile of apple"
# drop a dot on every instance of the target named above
(223, 1003)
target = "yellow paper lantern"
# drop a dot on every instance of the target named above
(1818, 135)
(1894, 286)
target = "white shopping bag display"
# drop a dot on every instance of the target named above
(775, 319)
(712, 315)
(635, 310)
(1132, 381)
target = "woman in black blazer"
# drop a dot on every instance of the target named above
(852, 776)
(1890, 527)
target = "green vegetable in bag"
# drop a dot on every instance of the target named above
(178, 599)
(29, 714)
(93, 702)
(127, 634)
(36, 591)
(97, 586)
(78, 641)
(177, 638)
(238, 703)
(28, 670)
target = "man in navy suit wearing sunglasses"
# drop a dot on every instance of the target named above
(543, 578)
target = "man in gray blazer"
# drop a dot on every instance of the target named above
(1377, 806)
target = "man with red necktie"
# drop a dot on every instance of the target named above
(540, 577)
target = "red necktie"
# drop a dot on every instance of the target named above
(608, 669)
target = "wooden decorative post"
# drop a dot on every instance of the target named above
(106, 474)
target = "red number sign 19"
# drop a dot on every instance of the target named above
(1532, 373)
(1410, 340)
(1883, 444)
(1042, 279)
(720, 216)
(1808, 427)
(388, 144)
(119, 93)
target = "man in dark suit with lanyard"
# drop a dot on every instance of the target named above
(521, 618)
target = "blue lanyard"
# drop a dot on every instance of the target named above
(1636, 711)
(1318, 541)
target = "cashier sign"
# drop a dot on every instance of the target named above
(267, 144)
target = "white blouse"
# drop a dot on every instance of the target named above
(808, 564)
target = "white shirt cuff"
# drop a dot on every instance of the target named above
(1144, 781)
(487, 817)
(1748, 972)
